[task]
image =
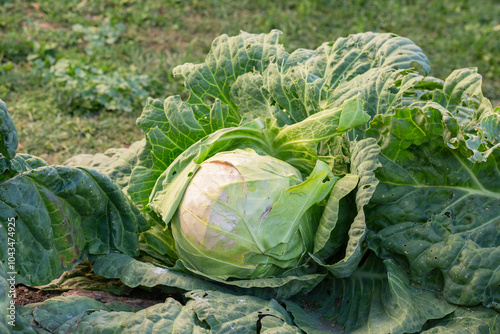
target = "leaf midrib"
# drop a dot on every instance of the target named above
(470, 191)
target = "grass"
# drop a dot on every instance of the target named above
(158, 35)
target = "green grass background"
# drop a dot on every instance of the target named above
(158, 35)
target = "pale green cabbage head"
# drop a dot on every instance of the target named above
(219, 226)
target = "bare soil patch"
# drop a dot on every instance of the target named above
(136, 298)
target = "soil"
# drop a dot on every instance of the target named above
(26, 295)
(137, 298)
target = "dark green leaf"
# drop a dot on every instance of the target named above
(227, 313)
(377, 298)
(8, 133)
(466, 321)
(61, 214)
(436, 208)
(19, 164)
(136, 273)
(77, 314)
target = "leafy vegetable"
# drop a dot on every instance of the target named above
(203, 312)
(466, 320)
(116, 163)
(333, 190)
(449, 241)
(63, 213)
(8, 133)
(376, 298)
(224, 223)
(59, 215)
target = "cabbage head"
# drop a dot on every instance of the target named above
(226, 207)
(245, 202)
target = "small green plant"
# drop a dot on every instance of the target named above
(90, 88)
(85, 87)
(100, 36)
(43, 56)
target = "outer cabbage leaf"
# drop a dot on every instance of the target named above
(171, 127)
(157, 242)
(8, 133)
(55, 312)
(298, 85)
(435, 208)
(253, 100)
(61, 214)
(77, 314)
(466, 321)
(227, 313)
(364, 161)
(10, 322)
(135, 273)
(336, 64)
(488, 138)
(383, 89)
(334, 223)
(463, 98)
(377, 298)
(229, 57)
(310, 320)
(4, 300)
(298, 280)
(348, 57)
(19, 164)
(82, 277)
(204, 312)
(115, 163)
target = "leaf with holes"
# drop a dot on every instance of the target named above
(437, 209)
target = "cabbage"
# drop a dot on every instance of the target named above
(321, 191)
(217, 228)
